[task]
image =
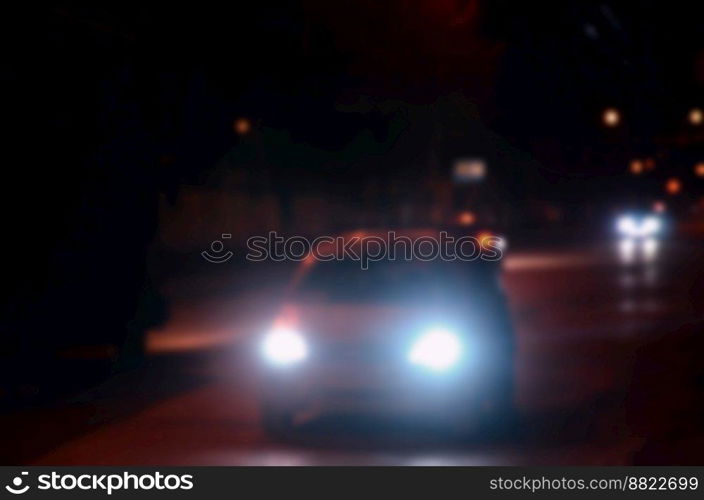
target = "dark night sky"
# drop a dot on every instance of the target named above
(533, 68)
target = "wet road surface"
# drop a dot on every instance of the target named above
(583, 319)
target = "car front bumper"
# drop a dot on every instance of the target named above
(386, 389)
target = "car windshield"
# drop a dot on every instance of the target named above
(392, 280)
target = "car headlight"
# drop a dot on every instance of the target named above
(650, 226)
(438, 350)
(638, 228)
(284, 347)
(627, 225)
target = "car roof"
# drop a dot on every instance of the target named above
(337, 245)
(353, 239)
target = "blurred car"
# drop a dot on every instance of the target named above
(639, 236)
(408, 338)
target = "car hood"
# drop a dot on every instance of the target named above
(360, 321)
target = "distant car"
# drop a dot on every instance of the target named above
(430, 339)
(639, 236)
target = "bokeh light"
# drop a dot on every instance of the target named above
(242, 126)
(611, 117)
(699, 169)
(673, 186)
(636, 167)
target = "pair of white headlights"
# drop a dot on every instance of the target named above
(634, 228)
(438, 349)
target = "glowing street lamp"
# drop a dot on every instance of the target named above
(673, 186)
(636, 167)
(611, 117)
(696, 116)
(242, 126)
(466, 218)
(699, 169)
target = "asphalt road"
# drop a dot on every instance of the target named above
(589, 331)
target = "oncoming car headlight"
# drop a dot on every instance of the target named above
(627, 225)
(438, 349)
(633, 227)
(650, 226)
(284, 347)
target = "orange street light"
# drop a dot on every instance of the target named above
(636, 167)
(696, 116)
(242, 126)
(699, 169)
(611, 117)
(673, 186)
(466, 218)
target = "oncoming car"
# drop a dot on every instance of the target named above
(411, 338)
(639, 236)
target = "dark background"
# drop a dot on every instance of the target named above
(110, 110)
